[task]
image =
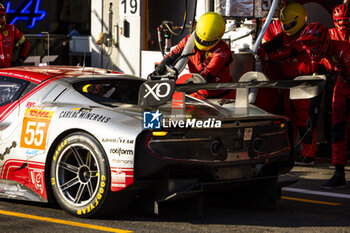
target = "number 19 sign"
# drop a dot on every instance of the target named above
(129, 8)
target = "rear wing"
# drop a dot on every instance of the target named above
(157, 92)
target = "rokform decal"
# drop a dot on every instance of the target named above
(121, 151)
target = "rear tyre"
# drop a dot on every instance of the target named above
(80, 175)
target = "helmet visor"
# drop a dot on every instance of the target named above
(289, 25)
(205, 43)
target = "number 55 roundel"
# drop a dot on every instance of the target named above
(34, 131)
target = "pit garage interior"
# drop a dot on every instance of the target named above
(122, 35)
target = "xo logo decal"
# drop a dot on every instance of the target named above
(157, 91)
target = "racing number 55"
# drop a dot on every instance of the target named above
(35, 127)
(34, 136)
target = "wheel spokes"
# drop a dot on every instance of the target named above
(88, 160)
(77, 156)
(69, 184)
(79, 193)
(69, 167)
(90, 188)
(93, 174)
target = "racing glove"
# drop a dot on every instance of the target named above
(262, 54)
(282, 53)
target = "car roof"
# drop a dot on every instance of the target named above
(39, 74)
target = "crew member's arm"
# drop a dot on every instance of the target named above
(221, 58)
(171, 58)
(274, 50)
(22, 43)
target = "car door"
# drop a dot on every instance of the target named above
(12, 163)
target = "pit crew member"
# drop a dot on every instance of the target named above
(335, 57)
(211, 57)
(11, 37)
(287, 52)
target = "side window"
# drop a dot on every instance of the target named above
(11, 89)
(111, 92)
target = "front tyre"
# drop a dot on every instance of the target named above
(80, 175)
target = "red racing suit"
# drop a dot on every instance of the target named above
(10, 37)
(342, 35)
(213, 65)
(337, 60)
(274, 28)
(337, 34)
(293, 61)
(272, 70)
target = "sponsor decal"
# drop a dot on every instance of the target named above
(35, 127)
(37, 177)
(7, 150)
(98, 197)
(32, 152)
(121, 178)
(59, 148)
(30, 104)
(123, 161)
(84, 116)
(154, 120)
(118, 140)
(121, 151)
(13, 190)
(248, 132)
(155, 93)
(158, 91)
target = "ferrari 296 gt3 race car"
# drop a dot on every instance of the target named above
(88, 139)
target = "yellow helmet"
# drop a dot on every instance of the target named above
(293, 18)
(209, 30)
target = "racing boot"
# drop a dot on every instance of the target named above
(336, 182)
(304, 160)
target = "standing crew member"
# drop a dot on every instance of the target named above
(287, 52)
(341, 31)
(211, 58)
(10, 37)
(335, 57)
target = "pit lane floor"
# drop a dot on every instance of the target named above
(304, 207)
